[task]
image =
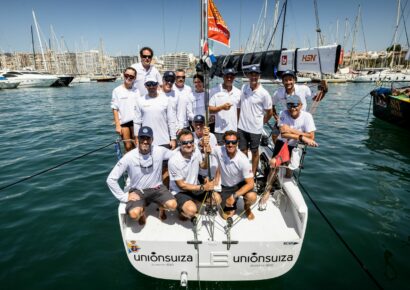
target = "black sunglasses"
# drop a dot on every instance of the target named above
(234, 142)
(180, 77)
(292, 105)
(146, 56)
(151, 84)
(169, 80)
(127, 76)
(187, 142)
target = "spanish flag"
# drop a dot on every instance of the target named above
(217, 28)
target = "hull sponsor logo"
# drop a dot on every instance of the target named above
(159, 258)
(132, 247)
(255, 258)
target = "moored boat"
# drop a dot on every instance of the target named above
(63, 81)
(8, 84)
(30, 79)
(392, 105)
(104, 79)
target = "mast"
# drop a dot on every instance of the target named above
(283, 25)
(395, 33)
(34, 51)
(39, 41)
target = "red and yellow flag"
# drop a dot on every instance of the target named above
(217, 28)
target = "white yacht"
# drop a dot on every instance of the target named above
(29, 79)
(8, 84)
(386, 75)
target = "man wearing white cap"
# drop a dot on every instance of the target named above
(144, 69)
(255, 110)
(155, 110)
(144, 167)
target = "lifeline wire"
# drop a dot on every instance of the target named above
(54, 167)
(362, 265)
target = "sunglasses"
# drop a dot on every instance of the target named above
(151, 84)
(187, 142)
(233, 142)
(146, 56)
(180, 77)
(130, 77)
(169, 80)
(292, 105)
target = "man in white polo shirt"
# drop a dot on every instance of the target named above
(236, 176)
(255, 110)
(155, 110)
(224, 104)
(183, 173)
(144, 167)
(184, 94)
(144, 69)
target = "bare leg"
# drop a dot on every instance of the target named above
(127, 135)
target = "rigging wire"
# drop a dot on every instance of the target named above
(358, 260)
(56, 166)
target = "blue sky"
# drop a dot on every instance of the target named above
(170, 26)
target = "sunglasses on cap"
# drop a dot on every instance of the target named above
(151, 84)
(233, 142)
(130, 77)
(292, 105)
(146, 56)
(187, 142)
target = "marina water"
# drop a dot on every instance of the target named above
(60, 229)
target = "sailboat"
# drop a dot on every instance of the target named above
(210, 248)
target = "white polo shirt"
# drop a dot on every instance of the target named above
(235, 170)
(253, 105)
(141, 174)
(225, 120)
(184, 106)
(124, 101)
(174, 102)
(181, 168)
(156, 113)
(280, 96)
(142, 73)
(302, 123)
(198, 103)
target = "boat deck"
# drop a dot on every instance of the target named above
(174, 230)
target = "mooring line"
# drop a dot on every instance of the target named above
(56, 166)
(358, 260)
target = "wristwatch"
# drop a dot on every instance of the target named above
(201, 187)
(301, 138)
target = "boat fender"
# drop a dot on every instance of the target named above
(184, 279)
(295, 158)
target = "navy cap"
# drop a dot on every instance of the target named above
(229, 71)
(289, 73)
(145, 131)
(199, 119)
(255, 69)
(293, 99)
(169, 74)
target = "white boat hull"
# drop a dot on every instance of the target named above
(7, 84)
(263, 248)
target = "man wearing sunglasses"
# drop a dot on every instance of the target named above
(291, 88)
(183, 172)
(144, 167)
(185, 99)
(236, 176)
(223, 103)
(154, 110)
(295, 125)
(123, 102)
(144, 69)
(168, 80)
